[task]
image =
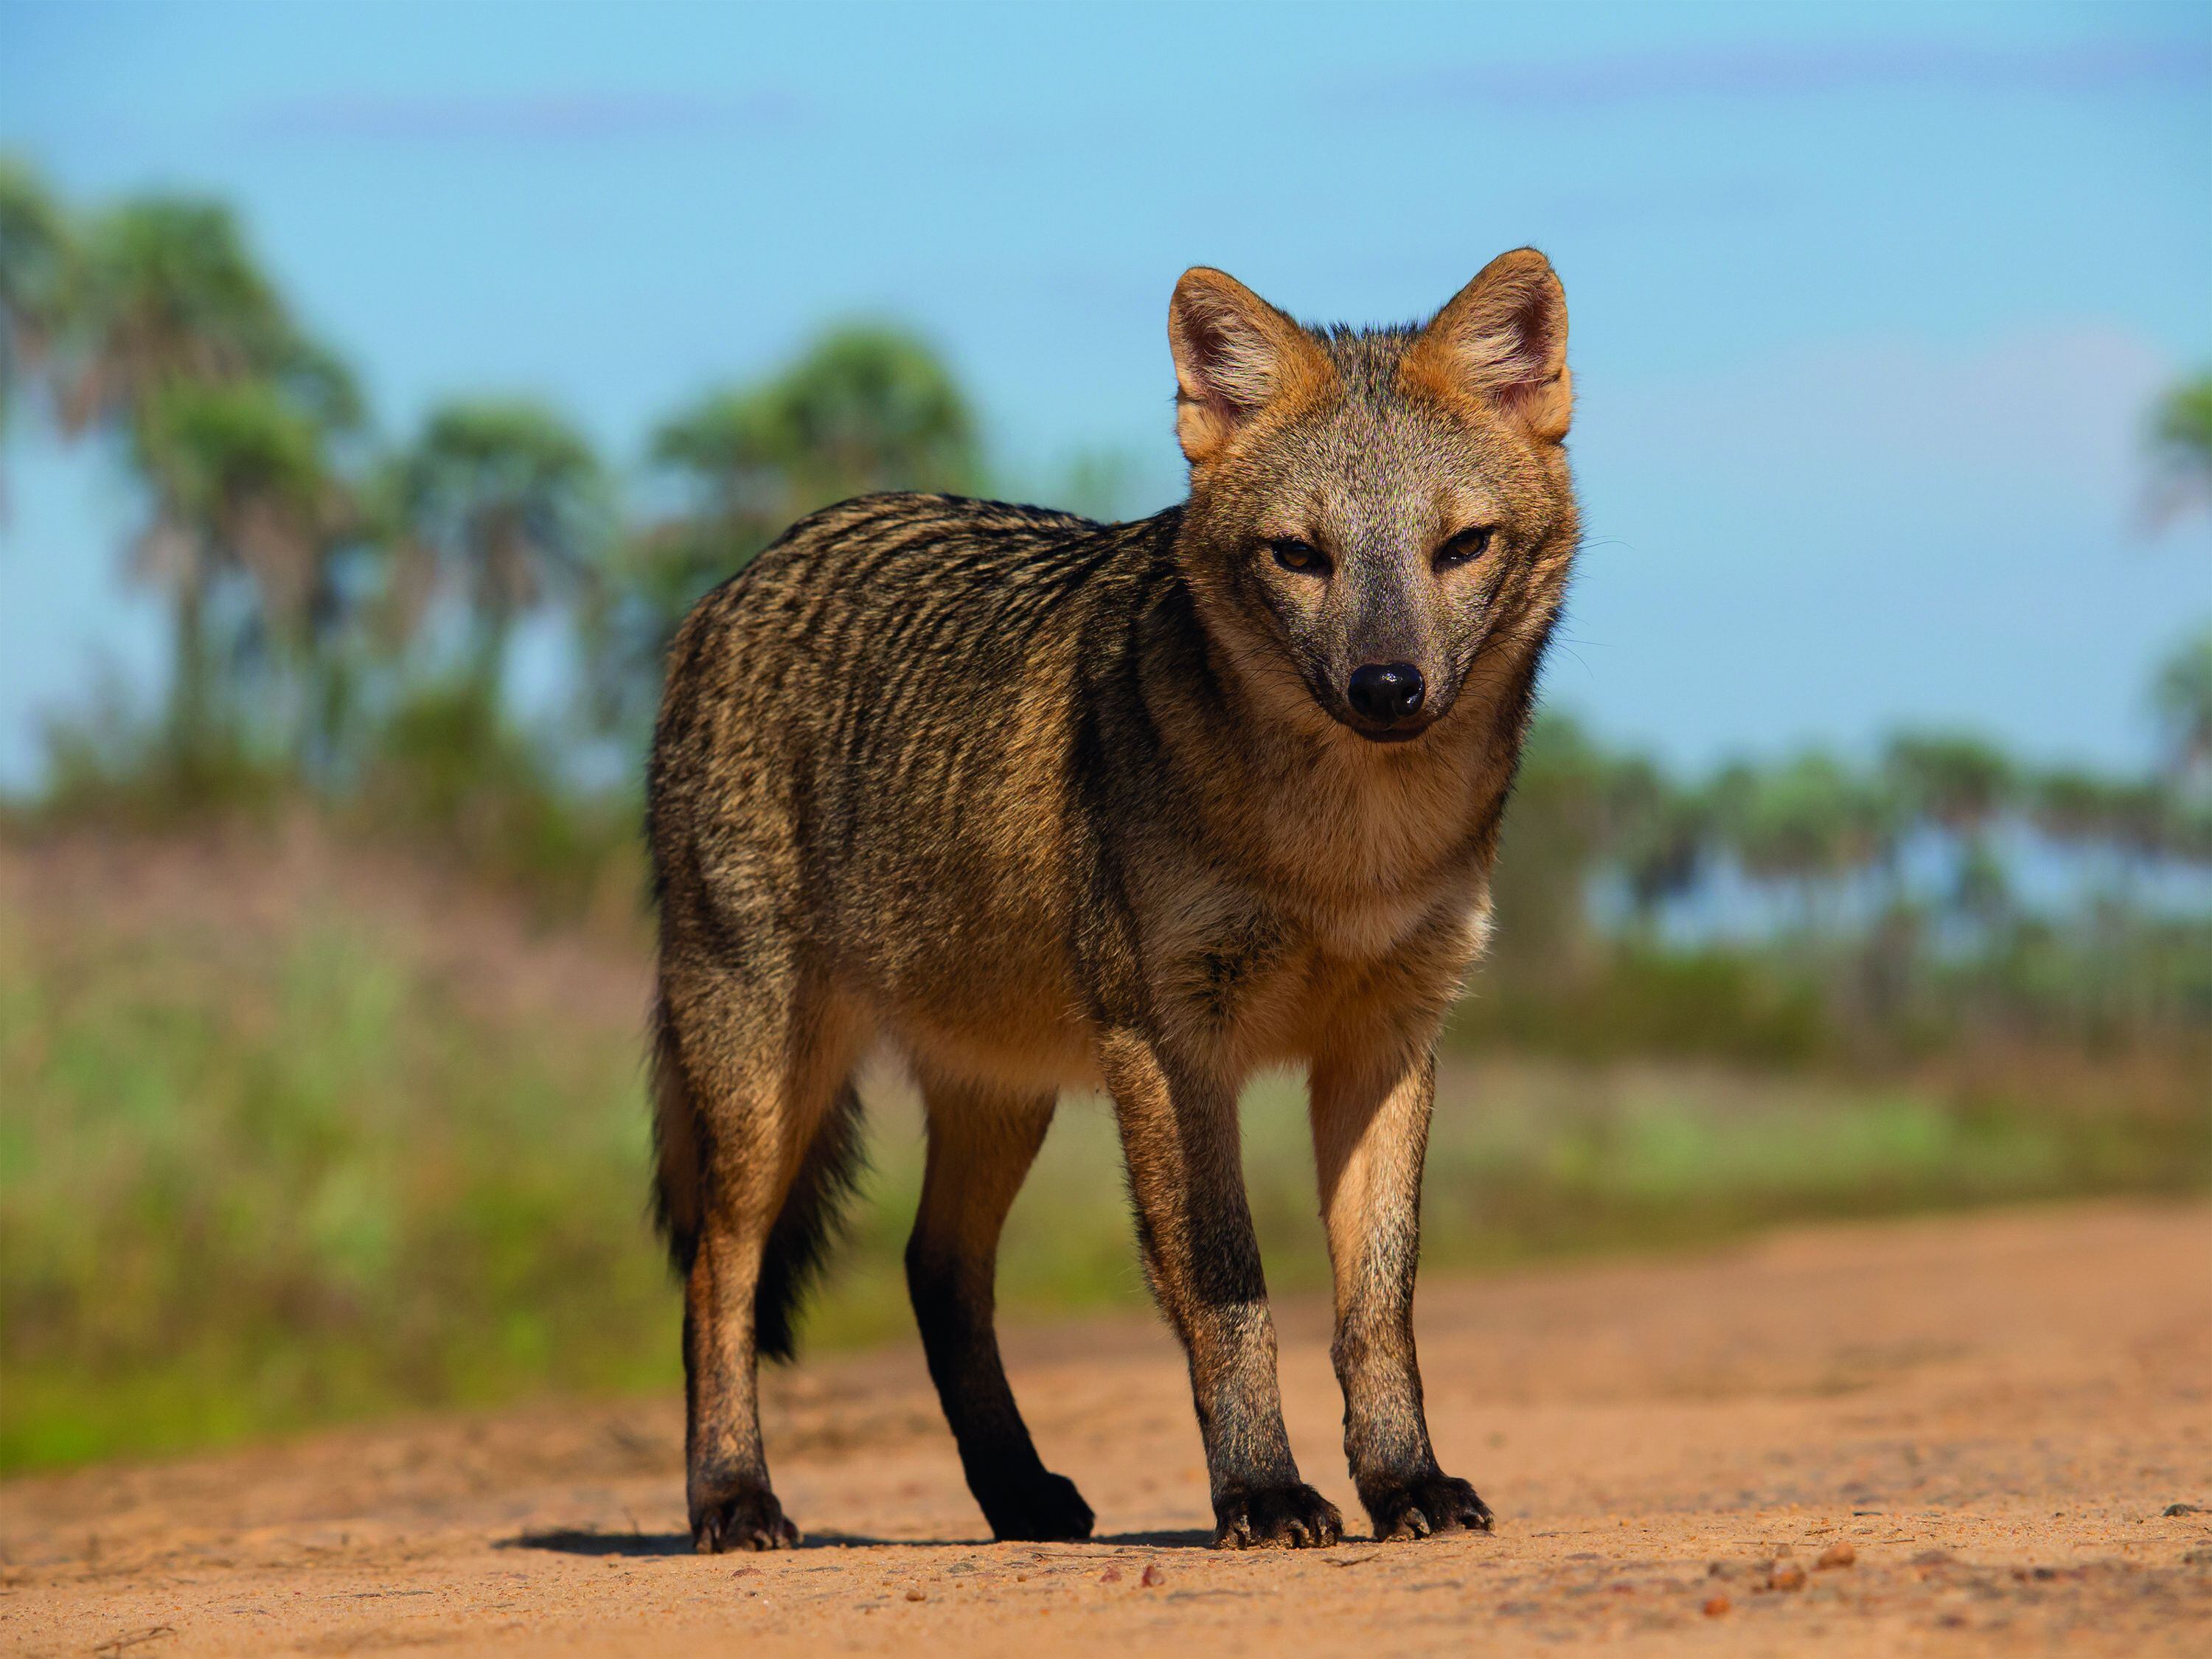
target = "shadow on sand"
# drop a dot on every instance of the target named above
(577, 1540)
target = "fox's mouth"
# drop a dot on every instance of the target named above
(1391, 733)
(1403, 731)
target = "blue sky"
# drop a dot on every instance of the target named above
(1867, 300)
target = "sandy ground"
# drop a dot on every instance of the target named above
(1992, 1419)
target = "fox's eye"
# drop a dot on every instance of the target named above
(1292, 554)
(1464, 547)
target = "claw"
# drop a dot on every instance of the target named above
(749, 1519)
(1290, 1517)
(1424, 1507)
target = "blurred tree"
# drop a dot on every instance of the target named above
(37, 256)
(2182, 695)
(504, 500)
(243, 486)
(1553, 839)
(171, 292)
(1099, 483)
(1807, 824)
(1656, 832)
(1960, 784)
(865, 408)
(2072, 807)
(2181, 447)
(1957, 786)
(179, 345)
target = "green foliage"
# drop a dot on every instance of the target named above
(38, 259)
(447, 771)
(246, 1187)
(864, 408)
(249, 1180)
(2182, 695)
(169, 290)
(1809, 820)
(108, 765)
(1710, 1004)
(2181, 443)
(255, 1177)
(509, 504)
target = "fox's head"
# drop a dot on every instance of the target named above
(1376, 515)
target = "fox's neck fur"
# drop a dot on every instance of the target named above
(1354, 839)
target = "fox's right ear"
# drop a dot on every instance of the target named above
(1234, 354)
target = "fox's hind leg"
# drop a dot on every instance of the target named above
(763, 1066)
(982, 1143)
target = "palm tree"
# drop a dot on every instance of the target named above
(1958, 786)
(2182, 695)
(2181, 445)
(864, 408)
(180, 346)
(1808, 822)
(243, 489)
(506, 502)
(37, 257)
(1957, 782)
(170, 293)
(1656, 833)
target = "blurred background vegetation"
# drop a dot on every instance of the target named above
(320, 983)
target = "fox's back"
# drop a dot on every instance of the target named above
(868, 733)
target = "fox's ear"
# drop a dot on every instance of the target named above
(1234, 354)
(1504, 337)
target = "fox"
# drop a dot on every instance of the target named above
(1038, 804)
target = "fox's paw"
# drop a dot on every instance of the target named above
(1426, 1504)
(1294, 1517)
(1048, 1508)
(747, 1519)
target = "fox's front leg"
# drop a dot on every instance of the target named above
(1371, 1124)
(1179, 1134)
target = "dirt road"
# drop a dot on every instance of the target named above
(1993, 1417)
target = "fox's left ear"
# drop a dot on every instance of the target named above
(1504, 337)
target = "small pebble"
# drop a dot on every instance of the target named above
(1716, 1606)
(1111, 1576)
(1788, 1576)
(1837, 1555)
(916, 1595)
(1153, 1577)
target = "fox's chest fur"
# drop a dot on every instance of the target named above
(1252, 935)
(1370, 875)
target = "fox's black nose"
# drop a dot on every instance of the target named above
(1386, 692)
